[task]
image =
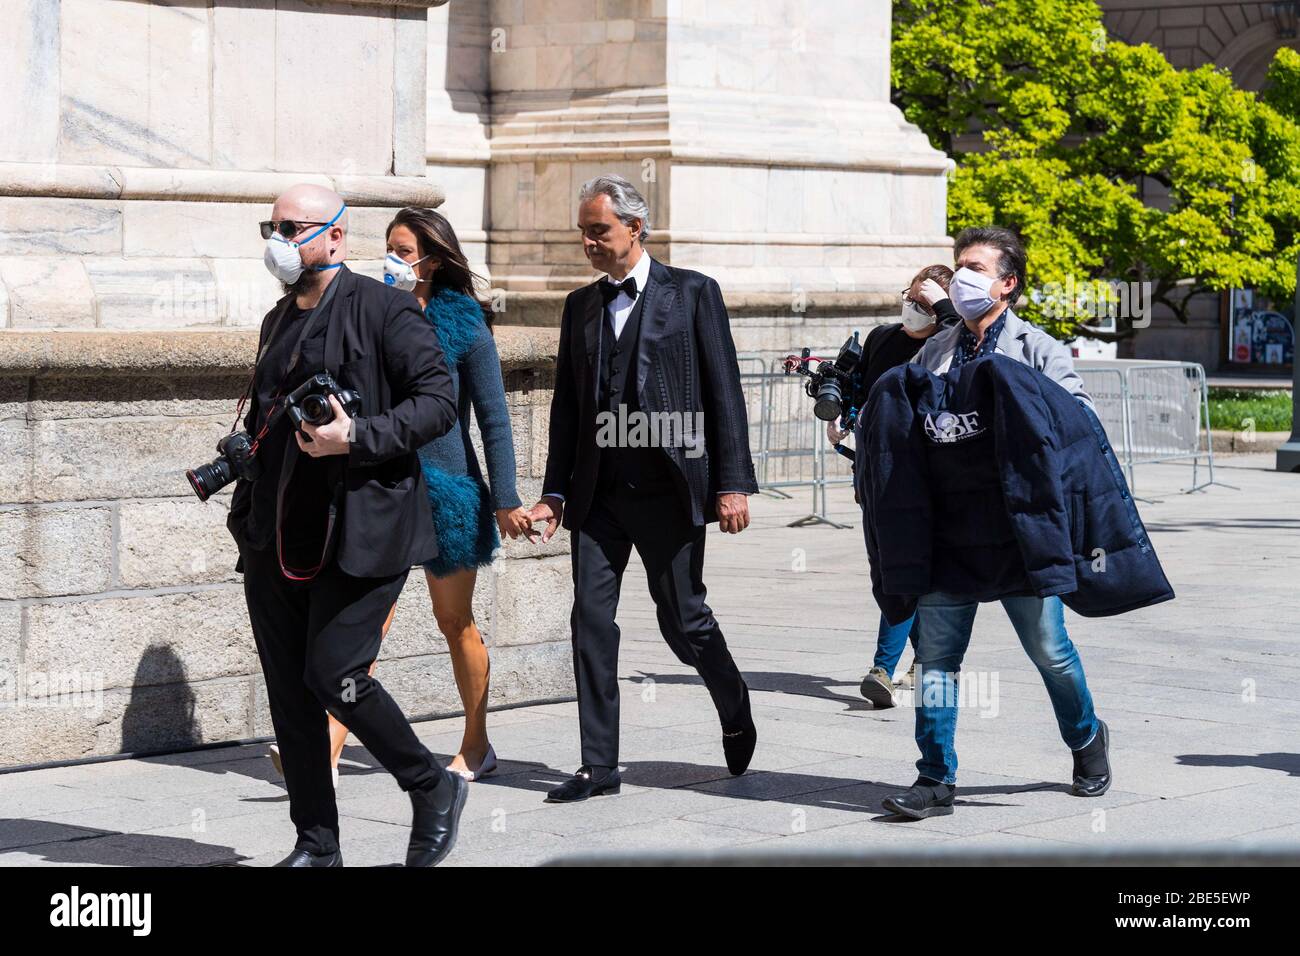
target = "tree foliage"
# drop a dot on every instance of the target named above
(1110, 162)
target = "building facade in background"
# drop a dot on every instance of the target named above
(1236, 331)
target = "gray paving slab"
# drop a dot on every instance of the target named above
(1202, 695)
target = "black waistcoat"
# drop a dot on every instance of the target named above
(642, 468)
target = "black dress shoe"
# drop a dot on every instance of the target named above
(307, 858)
(587, 782)
(925, 798)
(1092, 765)
(435, 817)
(738, 744)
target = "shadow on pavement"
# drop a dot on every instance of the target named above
(62, 843)
(1287, 763)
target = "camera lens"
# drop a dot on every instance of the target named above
(828, 404)
(316, 410)
(207, 480)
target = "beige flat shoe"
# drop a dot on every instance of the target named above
(489, 765)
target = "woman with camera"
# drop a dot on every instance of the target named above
(425, 257)
(926, 308)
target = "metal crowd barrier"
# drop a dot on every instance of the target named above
(1153, 412)
(787, 441)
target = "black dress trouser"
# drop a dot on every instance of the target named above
(316, 641)
(672, 550)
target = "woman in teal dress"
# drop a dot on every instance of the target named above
(469, 513)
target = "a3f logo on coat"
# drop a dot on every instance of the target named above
(947, 427)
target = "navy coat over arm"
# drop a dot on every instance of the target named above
(995, 481)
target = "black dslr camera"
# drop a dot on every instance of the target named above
(831, 381)
(235, 459)
(237, 452)
(310, 402)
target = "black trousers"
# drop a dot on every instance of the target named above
(672, 550)
(317, 641)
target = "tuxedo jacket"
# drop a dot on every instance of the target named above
(378, 343)
(685, 364)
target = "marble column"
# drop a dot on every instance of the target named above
(760, 131)
(140, 143)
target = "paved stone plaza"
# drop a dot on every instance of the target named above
(1200, 694)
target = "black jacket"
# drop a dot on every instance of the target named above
(686, 364)
(995, 481)
(379, 344)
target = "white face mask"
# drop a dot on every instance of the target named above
(284, 261)
(969, 292)
(401, 274)
(915, 320)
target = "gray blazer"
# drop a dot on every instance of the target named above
(1019, 340)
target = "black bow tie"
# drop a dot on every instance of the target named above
(609, 290)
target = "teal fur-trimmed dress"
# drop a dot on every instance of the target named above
(463, 505)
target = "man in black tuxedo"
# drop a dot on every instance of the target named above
(337, 517)
(647, 342)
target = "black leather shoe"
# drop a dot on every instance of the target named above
(435, 817)
(307, 858)
(1092, 765)
(925, 798)
(738, 744)
(587, 782)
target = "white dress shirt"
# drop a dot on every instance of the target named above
(620, 307)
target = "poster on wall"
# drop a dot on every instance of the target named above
(1259, 336)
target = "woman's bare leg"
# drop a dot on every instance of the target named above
(453, 598)
(339, 733)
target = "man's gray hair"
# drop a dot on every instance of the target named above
(627, 201)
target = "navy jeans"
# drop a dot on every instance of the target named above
(945, 625)
(890, 642)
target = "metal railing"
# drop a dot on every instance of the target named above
(1153, 412)
(787, 442)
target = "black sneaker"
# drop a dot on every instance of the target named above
(925, 798)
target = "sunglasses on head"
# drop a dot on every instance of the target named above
(288, 228)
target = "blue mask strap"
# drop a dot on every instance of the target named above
(318, 232)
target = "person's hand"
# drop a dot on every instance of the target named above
(932, 292)
(513, 522)
(733, 513)
(550, 509)
(834, 434)
(330, 438)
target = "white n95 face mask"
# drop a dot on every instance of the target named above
(915, 319)
(399, 273)
(969, 292)
(284, 261)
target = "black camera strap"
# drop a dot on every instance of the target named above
(302, 575)
(309, 322)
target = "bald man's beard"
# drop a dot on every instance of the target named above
(309, 280)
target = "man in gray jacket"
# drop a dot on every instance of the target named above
(989, 278)
(1017, 339)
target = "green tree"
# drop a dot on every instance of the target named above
(1060, 132)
